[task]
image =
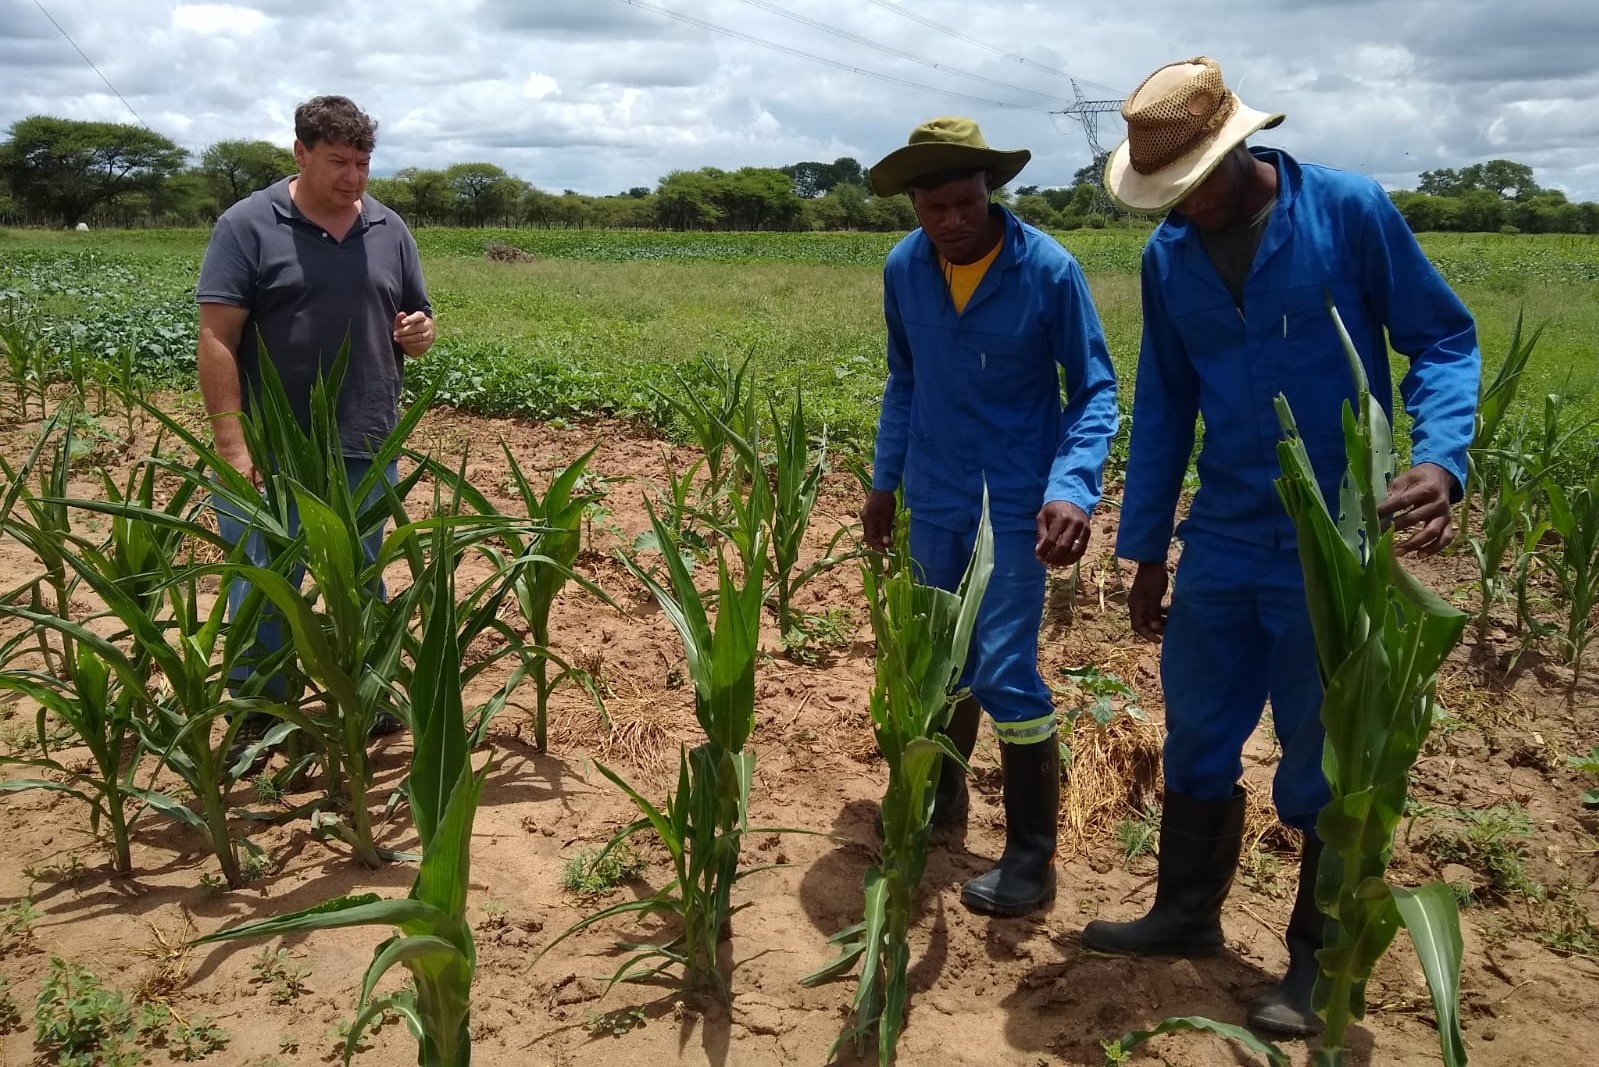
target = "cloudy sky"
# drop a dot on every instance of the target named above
(600, 95)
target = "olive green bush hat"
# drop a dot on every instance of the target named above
(946, 143)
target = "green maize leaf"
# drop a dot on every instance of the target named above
(440, 758)
(415, 952)
(1432, 916)
(1274, 1055)
(19, 785)
(366, 909)
(446, 863)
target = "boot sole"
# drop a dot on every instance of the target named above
(984, 906)
(1282, 1027)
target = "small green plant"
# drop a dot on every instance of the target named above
(811, 635)
(703, 822)
(593, 873)
(10, 1014)
(1139, 836)
(1491, 841)
(195, 1039)
(16, 919)
(1589, 765)
(616, 1023)
(283, 978)
(78, 1022)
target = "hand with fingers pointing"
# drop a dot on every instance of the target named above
(413, 332)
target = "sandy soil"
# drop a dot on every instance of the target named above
(984, 991)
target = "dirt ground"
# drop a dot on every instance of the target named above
(984, 991)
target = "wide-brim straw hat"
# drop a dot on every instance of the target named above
(1181, 122)
(946, 143)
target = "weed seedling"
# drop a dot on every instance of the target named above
(586, 877)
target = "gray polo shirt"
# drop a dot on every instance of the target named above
(306, 292)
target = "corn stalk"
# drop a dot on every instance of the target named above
(702, 824)
(433, 939)
(798, 478)
(922, 637)
(1380, 638)
(545, 552)
(1493, 406)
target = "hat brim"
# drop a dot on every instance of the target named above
(1168, 186)
(904, 165)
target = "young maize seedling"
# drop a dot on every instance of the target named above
(41, 523)
(545, 554)
(922, 638)
(703, 823)
(1498, 396)
(1380, 639)
(730, 407)
(98, 706)
(433, 939)
(798, 478)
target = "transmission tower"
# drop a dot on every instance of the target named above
(1087, 112)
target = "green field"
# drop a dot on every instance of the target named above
(598, 316)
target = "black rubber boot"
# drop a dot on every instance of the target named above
(1024, 878)
(1286, 1008)
(951, 799)
(1199, 845)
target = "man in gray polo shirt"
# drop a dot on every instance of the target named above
(290, 273)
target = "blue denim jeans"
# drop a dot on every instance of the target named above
(269, 634)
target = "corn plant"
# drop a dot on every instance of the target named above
(1574, 517)
(798, 478)
(702, 823)
(433, 939)
(729, 408)
(1380, 639)
(1493, 406)
(28, 358)
(40, 522)
(922, 637)
(1505, 521)
(99, 707)
(547, 551)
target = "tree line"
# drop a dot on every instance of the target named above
(62, 172)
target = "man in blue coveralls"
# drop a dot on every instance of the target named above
(1234, 284)
(983, 314)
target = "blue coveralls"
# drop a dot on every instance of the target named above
(975, 396)
(1238, 631)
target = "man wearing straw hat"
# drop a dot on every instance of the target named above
(983, 314)
(1234, 300)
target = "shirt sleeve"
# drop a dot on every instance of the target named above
(1428, 323)
(1090, 418)
(893, 421)
(227, 273)
(1165, 409)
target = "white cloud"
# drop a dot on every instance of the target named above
(601, 95)
(538, 86)
(222, 20)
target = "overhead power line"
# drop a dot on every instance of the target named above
(89, 61)
(915, 16)
(900, 53)
(835, 64)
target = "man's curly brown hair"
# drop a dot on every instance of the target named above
(337, 120)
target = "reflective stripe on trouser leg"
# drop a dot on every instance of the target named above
(1002, 666)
